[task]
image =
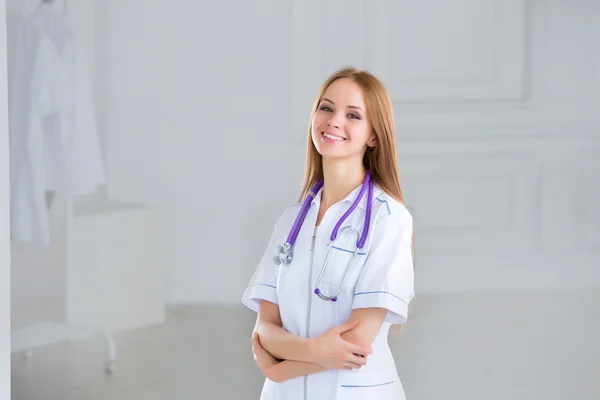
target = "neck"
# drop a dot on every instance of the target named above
(340, 179)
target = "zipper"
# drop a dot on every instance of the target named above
(312, 256)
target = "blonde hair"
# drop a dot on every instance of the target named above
(381, 160)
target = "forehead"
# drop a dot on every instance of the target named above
(345, 92)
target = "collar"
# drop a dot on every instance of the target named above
(352, 196)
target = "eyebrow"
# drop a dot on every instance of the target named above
(355, 107)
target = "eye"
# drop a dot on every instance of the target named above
(354, 116)
(325, 108)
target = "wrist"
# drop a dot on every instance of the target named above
(311, 350)
(274, 373)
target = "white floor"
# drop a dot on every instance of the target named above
(509, 345)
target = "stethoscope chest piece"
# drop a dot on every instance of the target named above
(283, 254)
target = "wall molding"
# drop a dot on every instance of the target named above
(509, 200)
(500, 45)
(497, 109)
(589, 193)
(503, 125)
(506, 271)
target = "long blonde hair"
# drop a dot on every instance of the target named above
(381, 160)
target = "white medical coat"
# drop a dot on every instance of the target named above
(36, 81)
(382, 276)
(53, 137)
(71, 134)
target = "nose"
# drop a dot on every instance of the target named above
(333, 122)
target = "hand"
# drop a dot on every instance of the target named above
(262, 357)
(331, 351)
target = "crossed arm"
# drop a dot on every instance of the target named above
(287, 356)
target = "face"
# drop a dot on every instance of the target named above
(340, 127)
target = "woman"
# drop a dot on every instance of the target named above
(321, 333)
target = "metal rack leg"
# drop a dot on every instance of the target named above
(56, 332)
(110, 365)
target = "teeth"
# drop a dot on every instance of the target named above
(332, 137)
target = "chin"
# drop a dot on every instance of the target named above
(326, 151)
(334, 156)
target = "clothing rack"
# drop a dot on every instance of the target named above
(33, 335)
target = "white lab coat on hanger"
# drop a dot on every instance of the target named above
(72, 133)
(36, 90)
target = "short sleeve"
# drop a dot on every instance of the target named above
(263, 284)
(387, 278)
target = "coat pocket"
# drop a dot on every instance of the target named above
(344, 260)
(343, 266)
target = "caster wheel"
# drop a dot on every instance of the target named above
(110, 367)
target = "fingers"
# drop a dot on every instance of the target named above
(256, 346)
(351, 365)
(358, 350)
(254, 342)
(256, 339)
(358, 360)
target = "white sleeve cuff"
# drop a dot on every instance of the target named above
(396, 306)
(262, 291)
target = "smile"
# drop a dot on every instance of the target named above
(333, 137)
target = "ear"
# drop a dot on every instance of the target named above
(373, 142)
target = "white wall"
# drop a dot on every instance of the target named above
(198, 122)
(498, 132)
(204, 112)
(4, 220)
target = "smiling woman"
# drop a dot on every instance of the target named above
(342, 272)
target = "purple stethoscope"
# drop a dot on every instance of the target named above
(284, 253)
